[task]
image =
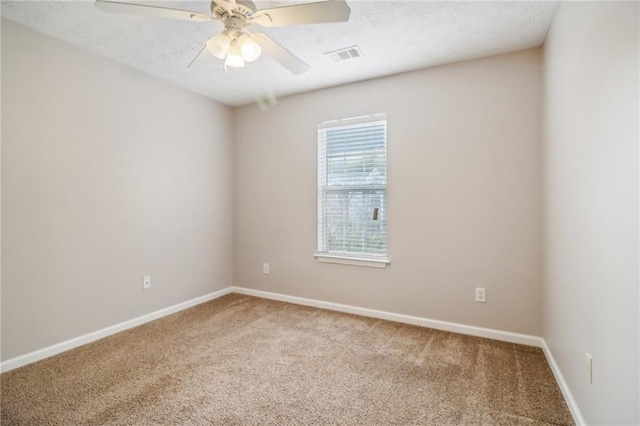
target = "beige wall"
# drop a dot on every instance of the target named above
(591, 205)
(464, 194)
(107, 175)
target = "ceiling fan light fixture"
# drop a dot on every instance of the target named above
(219, 45)
(234, 57)
(250, 49)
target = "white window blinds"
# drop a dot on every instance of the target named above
(352, 187)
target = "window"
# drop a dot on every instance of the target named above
(352, 191)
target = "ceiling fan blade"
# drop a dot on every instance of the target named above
(280, 54)
(140, 9)
(309, 13)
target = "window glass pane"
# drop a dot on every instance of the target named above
(352, 178)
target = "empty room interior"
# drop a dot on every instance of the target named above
(335, 212)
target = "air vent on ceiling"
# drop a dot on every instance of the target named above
(344, 54)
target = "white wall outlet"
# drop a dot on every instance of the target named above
(481, 294)
(146, 283)
(589, 368)
(265, 268)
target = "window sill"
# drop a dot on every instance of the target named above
(355, 261)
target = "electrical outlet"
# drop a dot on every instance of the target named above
(146, 283)
(589, 368)
(481, 295)
(265, 268)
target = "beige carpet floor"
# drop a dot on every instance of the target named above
(242, 360)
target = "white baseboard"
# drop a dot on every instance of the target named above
(506, 336)
(22, 360)
(564, 387)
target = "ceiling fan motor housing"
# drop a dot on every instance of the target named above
(244, 8)
(234, 22)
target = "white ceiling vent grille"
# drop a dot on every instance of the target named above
(344, 54)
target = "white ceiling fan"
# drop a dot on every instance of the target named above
(236, 44)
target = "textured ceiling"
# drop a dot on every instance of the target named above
(395, 36)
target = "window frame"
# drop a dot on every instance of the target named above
(346, 258)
